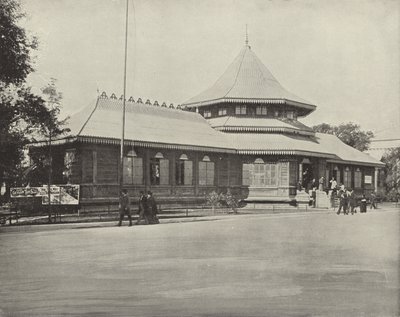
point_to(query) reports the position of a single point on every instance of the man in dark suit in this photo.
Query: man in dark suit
(152, 207)
(124, 207)
(352, 201)
(343, 200)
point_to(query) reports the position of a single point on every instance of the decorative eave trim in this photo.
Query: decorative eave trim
(65, 140)
(252, 100)
(263, 129)
(171, 146)
(339, 161)
(284, 152)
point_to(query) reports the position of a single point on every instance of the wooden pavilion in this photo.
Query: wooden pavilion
(242, 133)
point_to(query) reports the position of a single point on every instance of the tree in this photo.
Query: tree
(350, 134)
(15, 46)
(23, 114)
(392, 172)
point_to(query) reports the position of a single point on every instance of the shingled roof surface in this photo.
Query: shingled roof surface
(146, 123)
(149, 125)
(231, 123)
(246, 79)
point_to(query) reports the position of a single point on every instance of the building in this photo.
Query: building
(242, 133)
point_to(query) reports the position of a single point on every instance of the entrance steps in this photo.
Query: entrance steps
(274, 207)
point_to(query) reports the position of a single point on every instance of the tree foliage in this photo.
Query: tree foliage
(350, 133)
(15, 45)
(24, 116)
(392, 172)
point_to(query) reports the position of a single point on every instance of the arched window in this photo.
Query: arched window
(206, 171)
(159, 170)
(132, 168)
(183, 171)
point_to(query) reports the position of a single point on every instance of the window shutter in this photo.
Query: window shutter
(202, 173)
(188, 174)
(127, 170)
(284, 173)
(137, 170)
(164, 172)
(246, 173)
(210, 173)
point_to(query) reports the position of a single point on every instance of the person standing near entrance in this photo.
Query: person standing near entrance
(342, 202)
(321, 184)
(124, 207)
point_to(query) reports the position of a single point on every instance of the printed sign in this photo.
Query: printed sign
(368, 179)
(59, 194)
(22, 192)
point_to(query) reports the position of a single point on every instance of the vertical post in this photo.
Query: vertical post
(301, 174)
(121, 168)
(376, 179)
(50, 177)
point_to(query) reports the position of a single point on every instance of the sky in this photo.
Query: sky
(343, 56)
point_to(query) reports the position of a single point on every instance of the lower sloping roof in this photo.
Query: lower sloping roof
(344, 152)
(147, 124)
(280, 144)
(154, 126)
(258, 124)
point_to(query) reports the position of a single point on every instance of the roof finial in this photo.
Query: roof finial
(247, 37)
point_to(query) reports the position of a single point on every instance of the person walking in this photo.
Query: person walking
(373, 200)
(152, 207)
(342, 202)
(124, 207)
(352, 201)
(142, 209)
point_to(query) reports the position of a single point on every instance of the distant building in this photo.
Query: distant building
(242, 133)
(378, 147)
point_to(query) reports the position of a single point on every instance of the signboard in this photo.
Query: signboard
(368, 179)
(59, 194)
(23, 192)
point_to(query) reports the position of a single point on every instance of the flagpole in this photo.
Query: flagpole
(121, 168)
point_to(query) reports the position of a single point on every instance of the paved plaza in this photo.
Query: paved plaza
(304, 264)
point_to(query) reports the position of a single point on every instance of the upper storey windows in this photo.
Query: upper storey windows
(207, 114)
(258, 111)
(222, 112)
(241, 110)
(261, 110)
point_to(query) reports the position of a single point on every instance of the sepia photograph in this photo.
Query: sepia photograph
(184, 158)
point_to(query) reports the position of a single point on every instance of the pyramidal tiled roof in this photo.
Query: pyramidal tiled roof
(247, 79)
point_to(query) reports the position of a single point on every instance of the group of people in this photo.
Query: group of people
(348, 201)
(147, 208)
